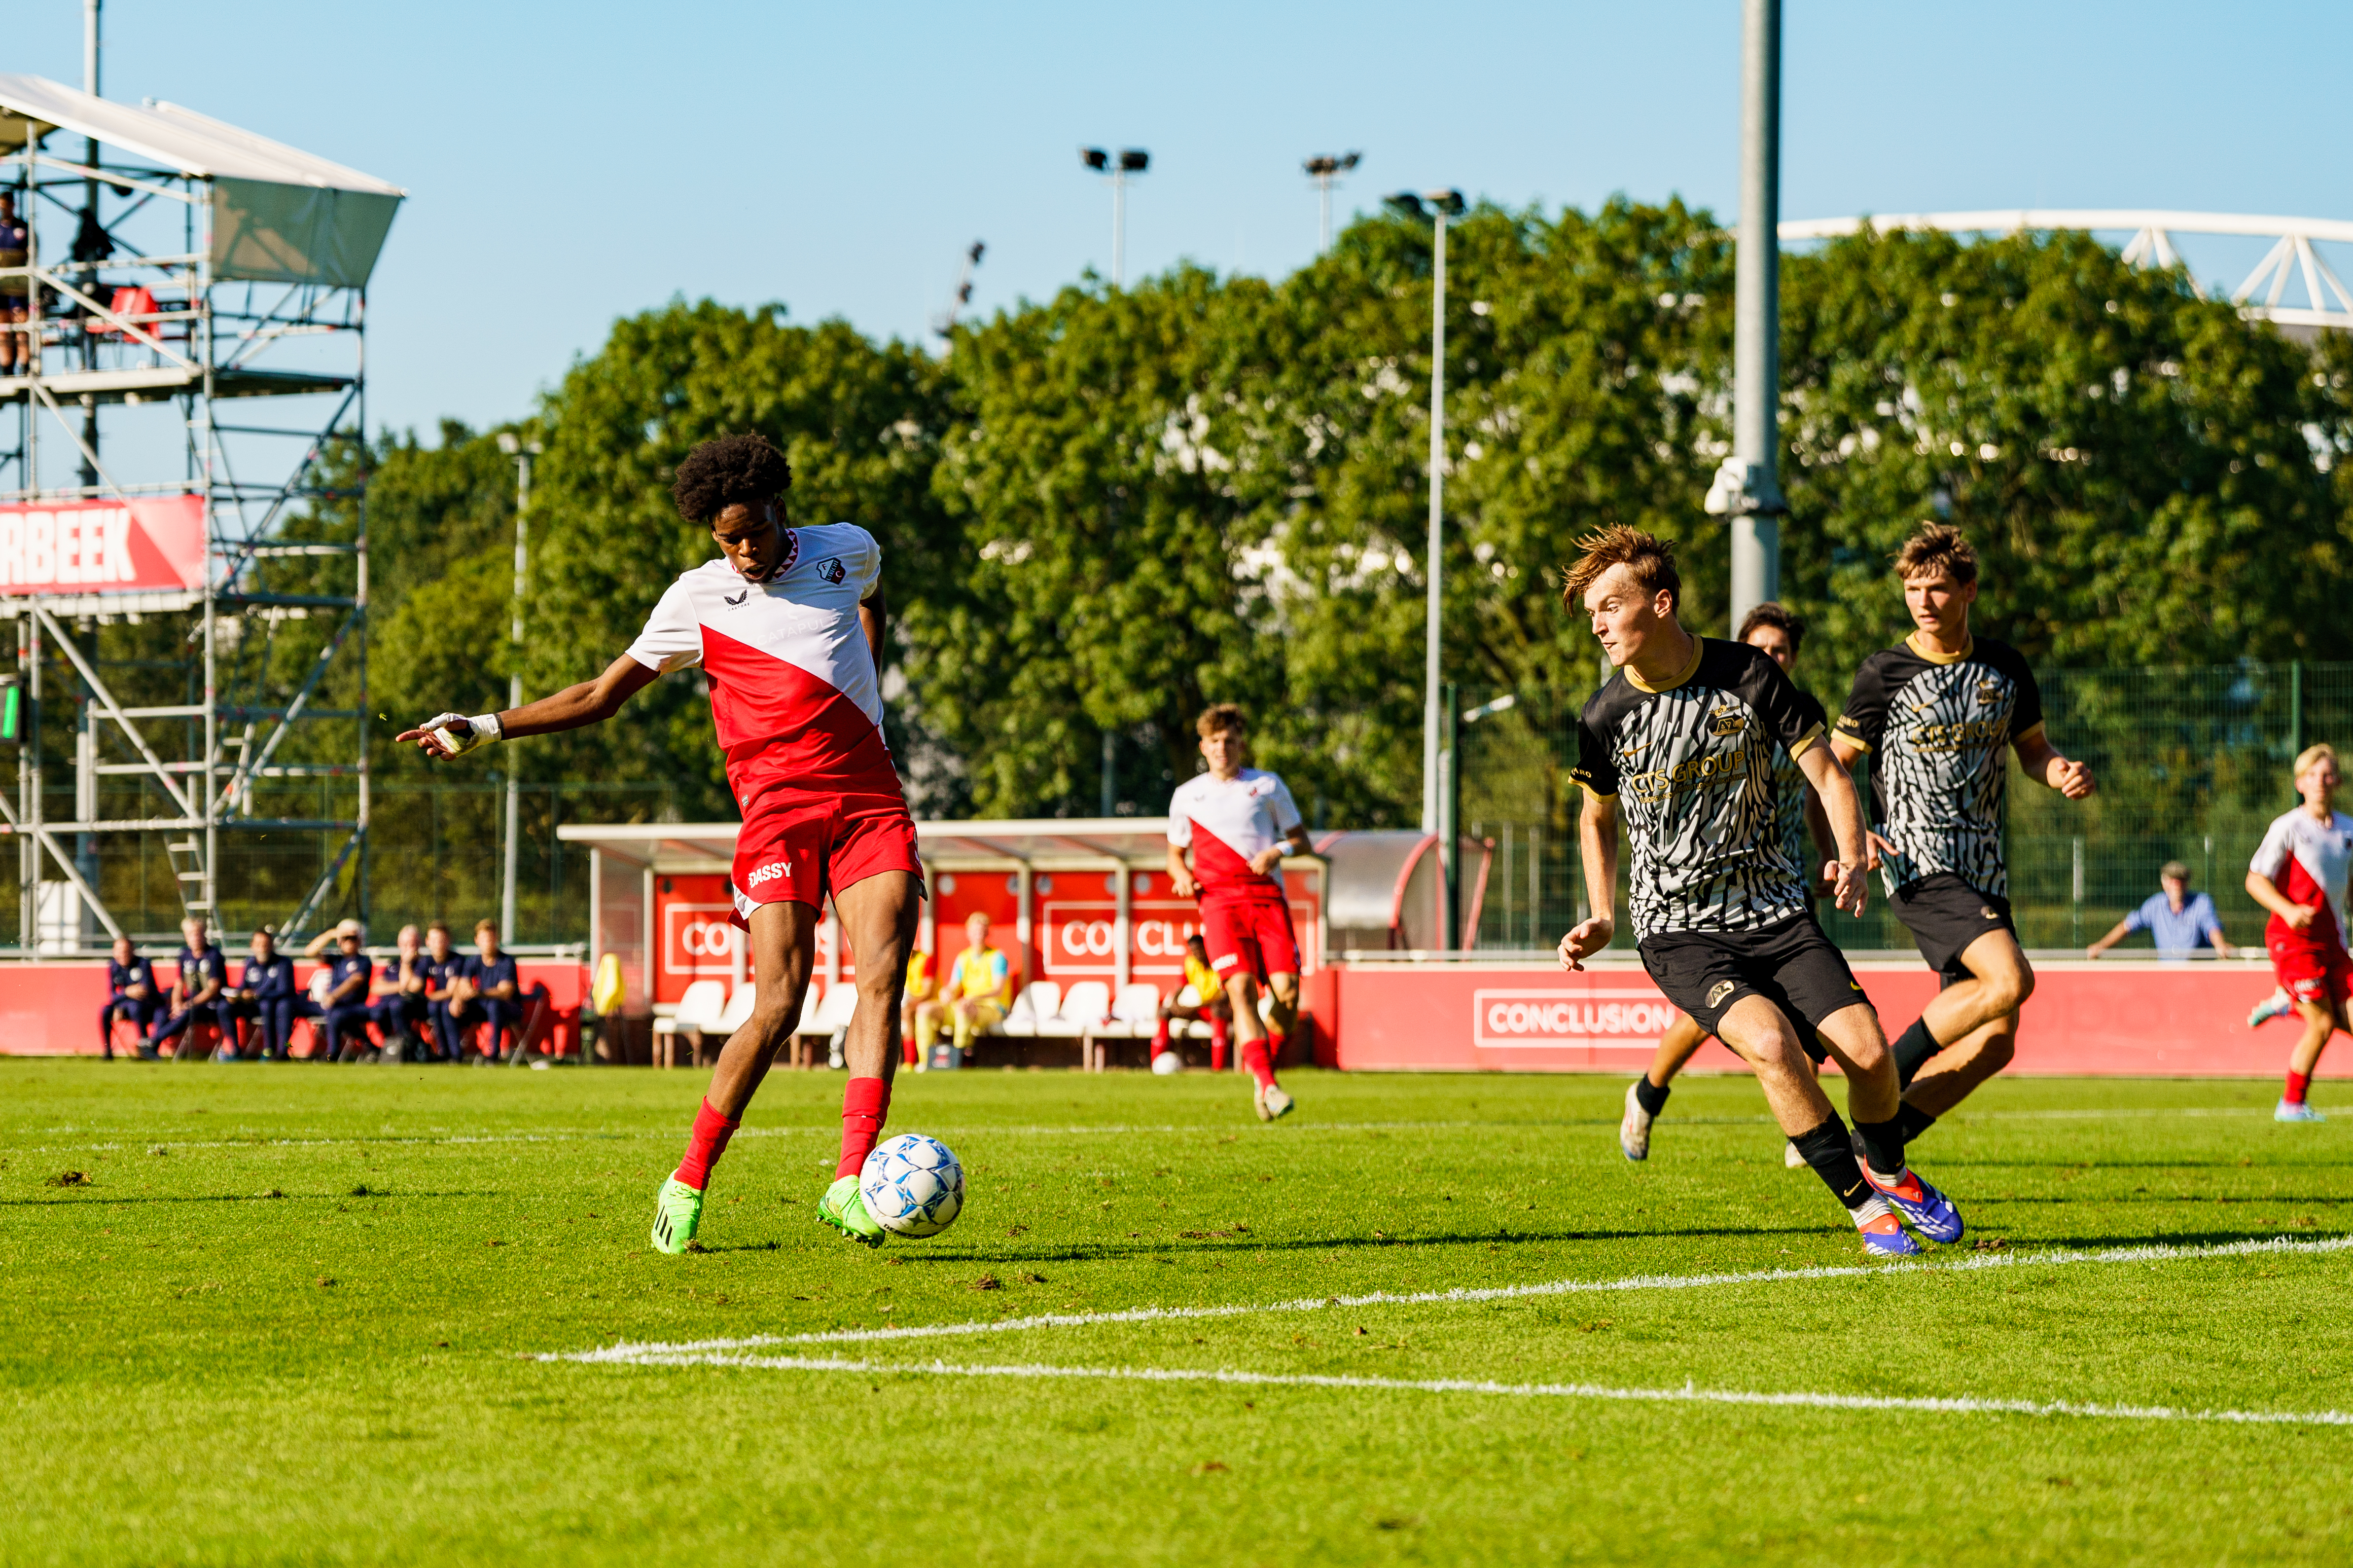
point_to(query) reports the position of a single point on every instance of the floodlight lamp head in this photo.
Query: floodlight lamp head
(508, 443)
(1133, 160)
(1323, 164)
(1448, 200)
(1349, 161)
(1094, 158)
(1405, 204)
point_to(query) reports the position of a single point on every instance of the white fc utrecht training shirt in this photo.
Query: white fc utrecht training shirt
(791, 676)
(1225, 822)
(2307, 859)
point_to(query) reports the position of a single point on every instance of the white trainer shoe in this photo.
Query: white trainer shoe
(1634, 1127)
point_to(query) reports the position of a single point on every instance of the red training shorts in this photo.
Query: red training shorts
(799, 846)
(2310, 970)
(1249, 938)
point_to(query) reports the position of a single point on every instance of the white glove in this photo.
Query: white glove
(460, 735)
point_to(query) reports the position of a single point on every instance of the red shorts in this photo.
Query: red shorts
(798, 847)
(1249, 938)
(2310, 970)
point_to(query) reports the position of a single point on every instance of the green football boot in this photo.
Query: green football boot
(843, 1208)
(677, 1214)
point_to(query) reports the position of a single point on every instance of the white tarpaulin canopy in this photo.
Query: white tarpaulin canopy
(279, 215)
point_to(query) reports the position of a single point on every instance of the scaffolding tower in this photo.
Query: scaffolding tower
(175, 271)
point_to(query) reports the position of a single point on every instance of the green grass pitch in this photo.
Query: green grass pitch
(291, 1314)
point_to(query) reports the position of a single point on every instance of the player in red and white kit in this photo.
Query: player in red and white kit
(1238, 822)
(2298, 874)
(787, 628)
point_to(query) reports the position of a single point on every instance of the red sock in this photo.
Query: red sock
(704, 1145)
(1160, 1038)
(1274, 1043)
(1255, 1060)
(1218, 1045)
(2298, 1082)
(865, 1103)
(907, 1050)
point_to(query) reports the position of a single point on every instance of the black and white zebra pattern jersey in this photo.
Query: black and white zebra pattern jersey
(1692, 765)
(1789, 799)
(1936, 728)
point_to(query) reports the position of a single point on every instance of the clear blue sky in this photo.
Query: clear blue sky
(570, 164)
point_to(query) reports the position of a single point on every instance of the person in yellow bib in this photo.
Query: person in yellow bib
(977, 995)
(1212, 1005)
(919, 990)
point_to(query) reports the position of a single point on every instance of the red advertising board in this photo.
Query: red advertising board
(103, 546)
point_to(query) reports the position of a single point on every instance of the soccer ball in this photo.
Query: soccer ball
(1168, 1063)
(913, 1185)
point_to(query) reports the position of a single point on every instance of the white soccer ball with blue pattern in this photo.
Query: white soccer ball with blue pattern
(913, 1185)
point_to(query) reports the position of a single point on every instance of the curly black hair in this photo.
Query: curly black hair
(733, 469)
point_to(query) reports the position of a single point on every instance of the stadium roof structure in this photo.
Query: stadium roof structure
(2152, 232)
(280, 215)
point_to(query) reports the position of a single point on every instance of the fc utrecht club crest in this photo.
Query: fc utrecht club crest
(832, 570)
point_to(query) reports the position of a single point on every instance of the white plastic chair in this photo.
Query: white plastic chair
(833, 1015)
(739, 1009)
(698, 1012)
(1039, 1001)
(1137, 1008)
(1084, 1005)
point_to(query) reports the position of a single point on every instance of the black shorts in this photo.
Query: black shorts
(1792, 965)
(1943, 915)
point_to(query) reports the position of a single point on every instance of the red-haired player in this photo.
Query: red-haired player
(788, 627)
(1238, 821)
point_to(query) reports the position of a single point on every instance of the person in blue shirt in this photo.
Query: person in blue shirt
(195, 995)
(347, 994)
(2179, 921)
(490, 991)
(399, 1010)
(444, 970)
(131, 992)
(265, 998)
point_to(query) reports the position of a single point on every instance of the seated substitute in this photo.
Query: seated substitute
(399, 1008)
(921, 986)
(131, 992)
(266, 996)
(444, 968)
(1214, 1005)
(346, 1002)
(491, 992)
(978, 993)
(195, 995)
(2181, 922)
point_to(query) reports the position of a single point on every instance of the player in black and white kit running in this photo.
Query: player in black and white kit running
(1681, 741)
(1935, 714)
(1805, 836)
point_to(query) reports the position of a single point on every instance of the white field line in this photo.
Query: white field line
(1687, 1395)
(627, 1351)
(1105, 1129)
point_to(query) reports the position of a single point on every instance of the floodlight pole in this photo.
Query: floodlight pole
(1749, 488)
(522, 452)
(1118, 228)
(1431, 722)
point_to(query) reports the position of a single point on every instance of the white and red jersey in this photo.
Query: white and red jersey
(1225, 822)
(792, 679)
(2307, 859)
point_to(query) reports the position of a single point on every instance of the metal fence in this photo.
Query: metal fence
(2191, 764)
(434, 854)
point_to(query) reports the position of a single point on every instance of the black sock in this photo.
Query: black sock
(1913, 1048)
(1830, 1152)
(1883, 1145)
(1651, 1096)
(1911, 1121)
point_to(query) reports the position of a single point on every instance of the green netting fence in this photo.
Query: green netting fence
(2192, 763)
